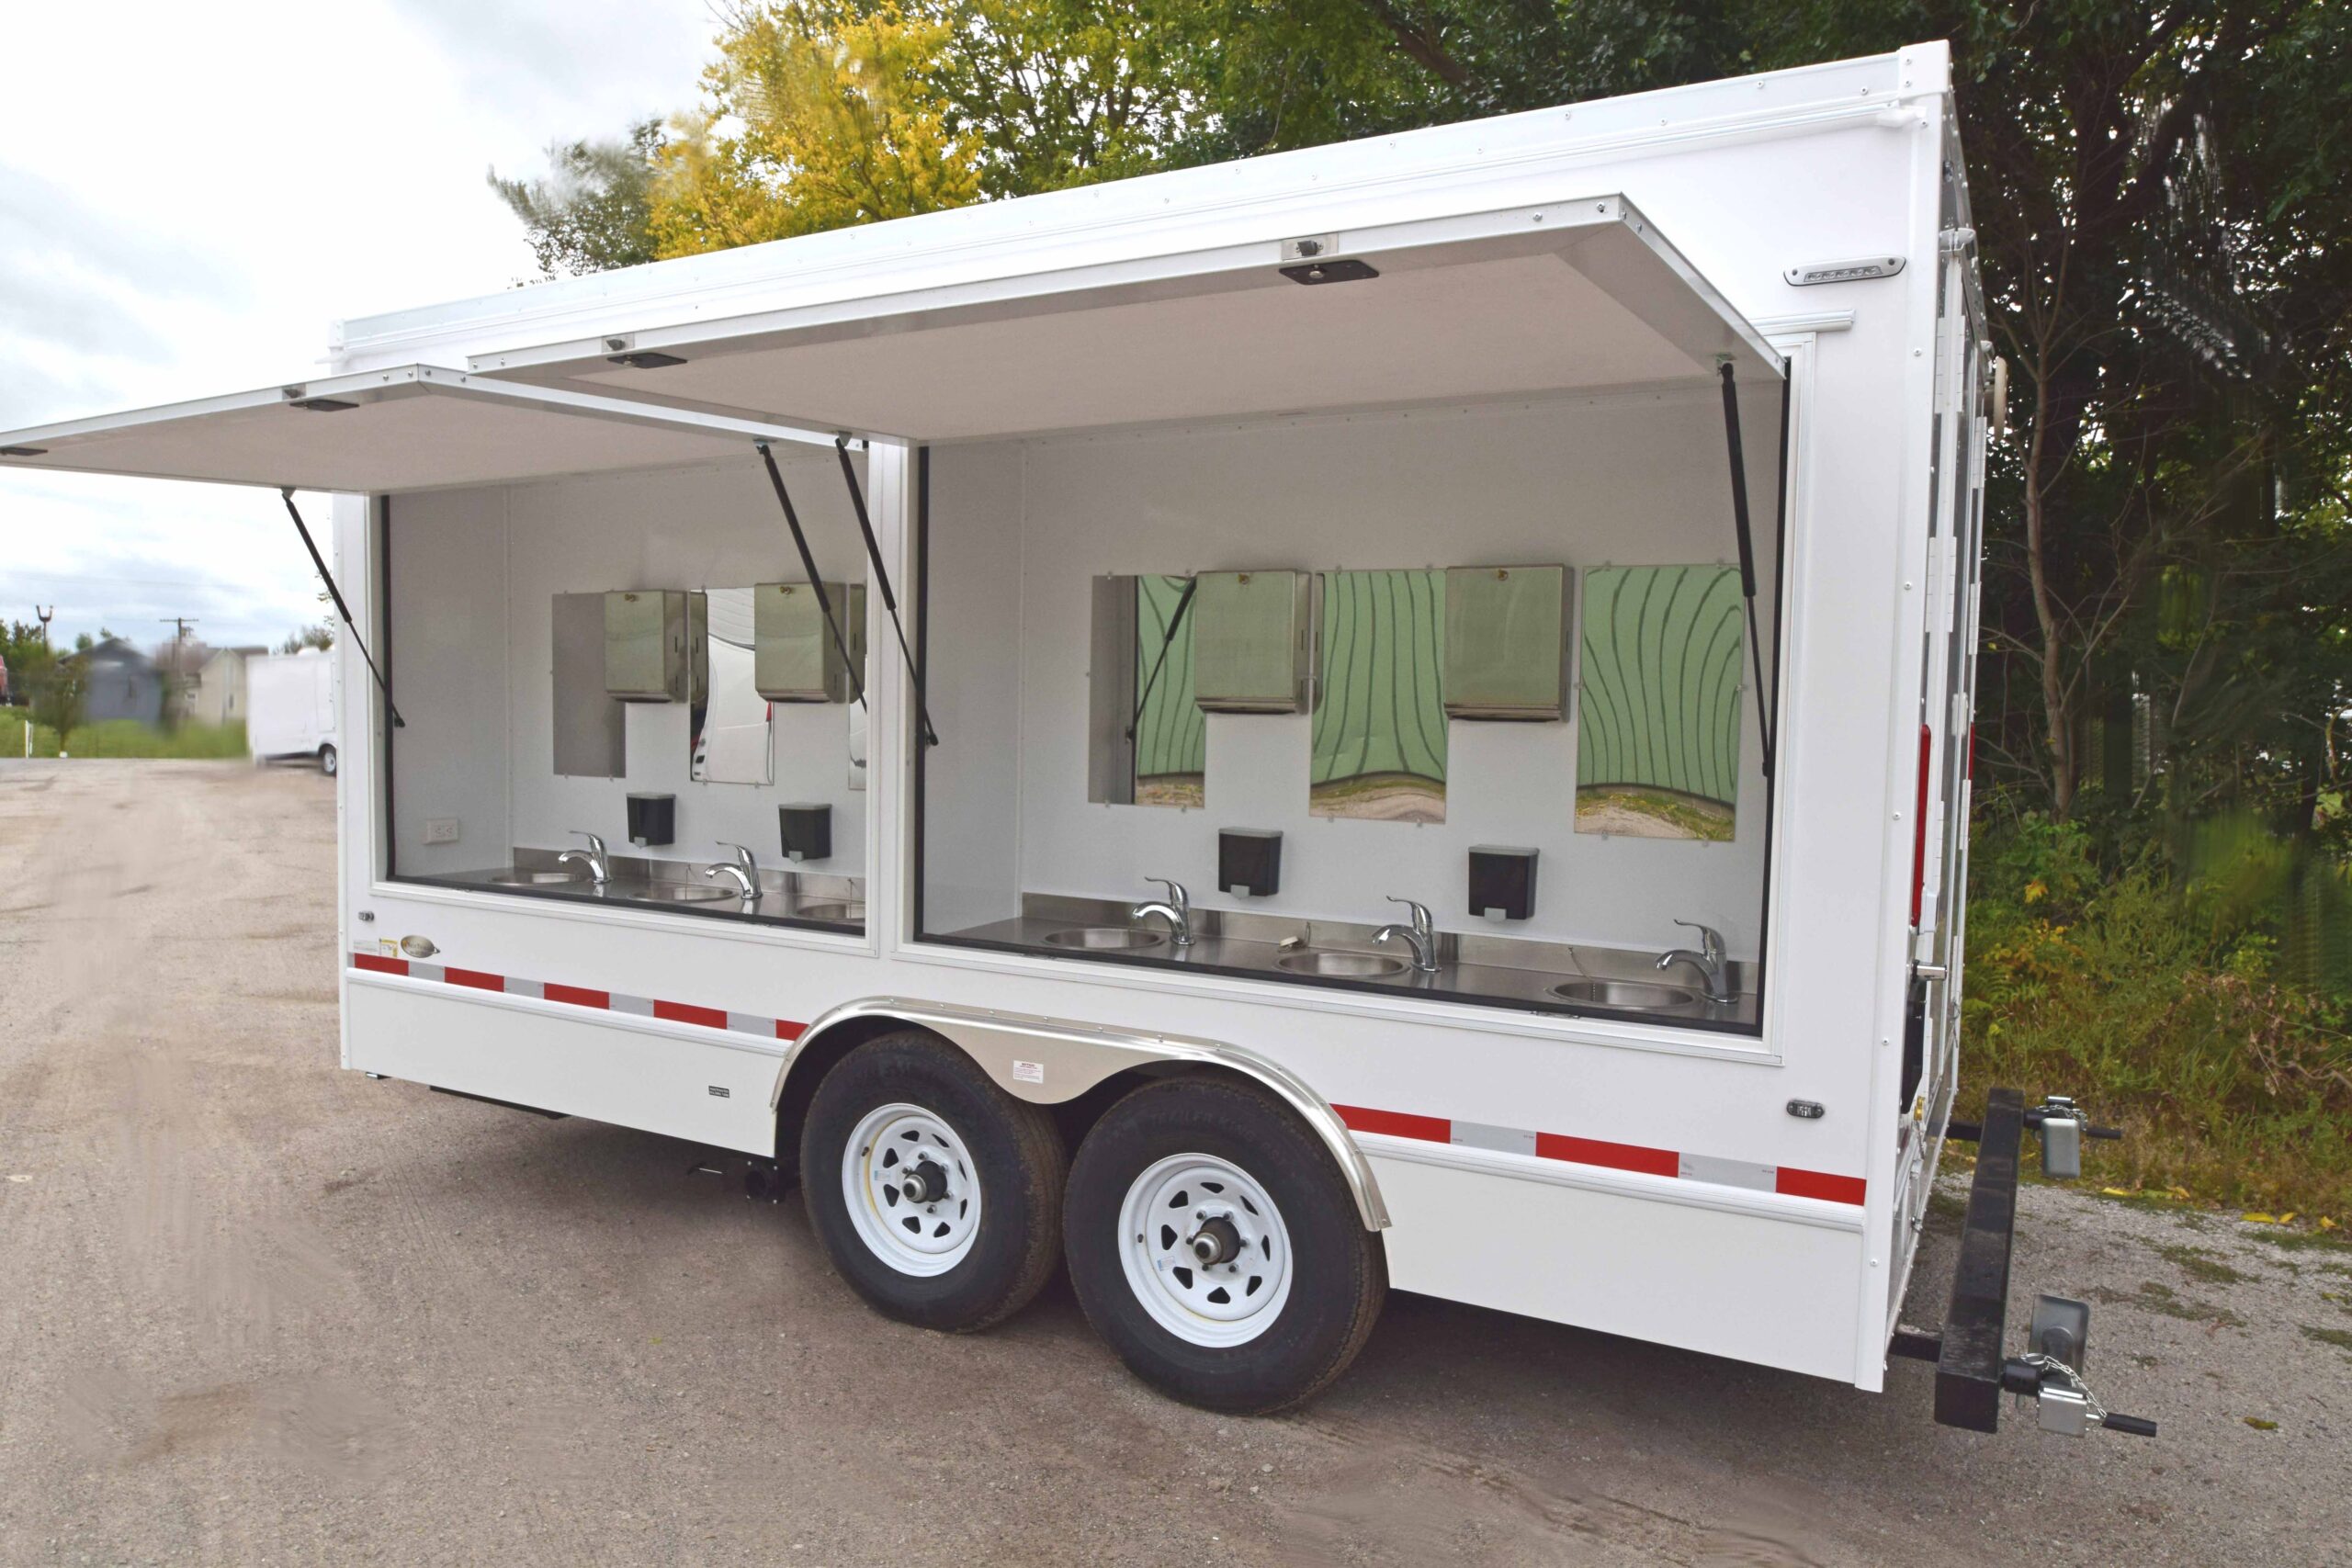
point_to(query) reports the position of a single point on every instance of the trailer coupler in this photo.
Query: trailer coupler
(1973, 1370)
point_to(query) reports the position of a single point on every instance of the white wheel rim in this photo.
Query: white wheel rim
(894, 1148)
(1170, 1209)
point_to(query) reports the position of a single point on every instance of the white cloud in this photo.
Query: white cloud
(189, 196)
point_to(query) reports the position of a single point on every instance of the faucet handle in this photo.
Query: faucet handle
(1423, 921)
(1176, 894)
(1711, 941)
(594, 842)
(742, 855)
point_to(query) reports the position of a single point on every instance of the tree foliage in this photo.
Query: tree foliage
(2162, 224)
(593, 210)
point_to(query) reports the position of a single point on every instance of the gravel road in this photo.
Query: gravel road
(254, 1309)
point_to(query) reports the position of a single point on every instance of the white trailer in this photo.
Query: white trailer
(289, 707)
(1595, 489)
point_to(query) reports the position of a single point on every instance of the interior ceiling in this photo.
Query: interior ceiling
(409, 441)
(1497, 327)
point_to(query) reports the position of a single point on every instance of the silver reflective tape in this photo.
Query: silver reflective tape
(744, 1023)
(1503, 1140)
(1728, 1172)
(424, 970)
(532, 988)
(641, 1005)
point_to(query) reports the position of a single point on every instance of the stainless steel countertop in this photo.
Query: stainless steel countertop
(783, 893)
(1466, 970)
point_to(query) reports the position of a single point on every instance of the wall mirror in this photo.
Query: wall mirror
(731, 741)
(1659, 741)
(1379, 735)
(1147, 740)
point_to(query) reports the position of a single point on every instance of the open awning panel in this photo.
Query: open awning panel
(1572, 295)
(389, 432)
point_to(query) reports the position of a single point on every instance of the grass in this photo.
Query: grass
(2339, 1337)
(2165, 1302)
(124, 738)
(2202, 1265)
(2168, 1015)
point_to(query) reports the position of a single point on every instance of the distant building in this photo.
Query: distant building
(123, 684)
(215, 694)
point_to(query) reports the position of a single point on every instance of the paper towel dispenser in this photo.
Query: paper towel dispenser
(1506, 641)
(648, 638)
(1253, 641)
(795, 658)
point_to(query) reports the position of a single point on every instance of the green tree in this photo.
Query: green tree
(319, 636)
(593, 211)
(57, 686)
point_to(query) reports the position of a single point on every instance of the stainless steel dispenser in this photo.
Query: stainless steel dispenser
(1507, 642)
(1253, 641)
(647, 657)
(794, 656)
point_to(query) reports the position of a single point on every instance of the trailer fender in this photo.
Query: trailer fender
(1049, 1060)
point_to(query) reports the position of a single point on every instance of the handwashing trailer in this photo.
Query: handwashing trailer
(1388, 715)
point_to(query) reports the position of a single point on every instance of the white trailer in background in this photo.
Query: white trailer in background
(289, 707)
(1332, 532)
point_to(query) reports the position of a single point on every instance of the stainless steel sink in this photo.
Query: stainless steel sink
(670, 892)
(850, 911)
(519, 878)
(1340, 965)
(1106, 939)
(1632, 996)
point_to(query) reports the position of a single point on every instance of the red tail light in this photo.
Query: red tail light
(1919, 825)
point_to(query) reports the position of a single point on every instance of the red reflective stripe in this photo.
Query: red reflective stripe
(1919, 825)
(480, 980)
(787, 1030)
(578, 996)
(1615, 1156)
(683, 1013)
(1397, 1124)
(379, 964)
(1816, 1184)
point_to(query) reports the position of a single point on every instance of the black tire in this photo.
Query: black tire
(1019, 1163)
(328, 761)
(1340, 1275)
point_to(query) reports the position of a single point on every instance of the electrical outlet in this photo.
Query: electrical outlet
(440, 830)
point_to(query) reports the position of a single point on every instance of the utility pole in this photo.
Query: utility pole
(44, 615)
(178, 693)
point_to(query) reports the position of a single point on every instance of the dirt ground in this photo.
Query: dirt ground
(254, 1309)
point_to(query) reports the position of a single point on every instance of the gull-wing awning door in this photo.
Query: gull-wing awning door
(388, 433)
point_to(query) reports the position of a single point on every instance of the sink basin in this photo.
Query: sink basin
(847, 911)
(1634, 996)
(671, 892)
(536, 878)
(1106, 939)
(1344, 965)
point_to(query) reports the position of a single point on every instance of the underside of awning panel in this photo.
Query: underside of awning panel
(1569, 297)
(389, 432)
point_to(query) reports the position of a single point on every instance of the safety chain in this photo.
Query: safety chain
(2046, 1366)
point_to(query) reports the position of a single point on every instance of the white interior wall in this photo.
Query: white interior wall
(487, 565)
(972, 845)
(1625, 481)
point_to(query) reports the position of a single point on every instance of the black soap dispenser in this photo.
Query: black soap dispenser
(1502, 882)
(808, 831)
(1249, 862)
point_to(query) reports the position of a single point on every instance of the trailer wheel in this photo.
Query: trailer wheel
(1216, 1249)
(328, 761)
(933, 1193)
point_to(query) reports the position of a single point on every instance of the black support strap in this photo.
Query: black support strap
(342, 609)
(882, 583)
(1747, 556)
(809, 564)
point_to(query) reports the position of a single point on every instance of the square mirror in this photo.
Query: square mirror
(731, 740)
(1658, 740)
(1379, 736)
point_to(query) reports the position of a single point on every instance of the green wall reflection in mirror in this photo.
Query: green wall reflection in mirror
(1171, 734)
(1379, 737)
(1657, 739)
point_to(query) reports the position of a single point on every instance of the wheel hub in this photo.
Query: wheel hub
(1207, 1252)
(912, 1188)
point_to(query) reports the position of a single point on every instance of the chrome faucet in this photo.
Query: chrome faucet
(1422, 935)
(1176, 909)
(599, 864)
(742, 868)
(1709, 961)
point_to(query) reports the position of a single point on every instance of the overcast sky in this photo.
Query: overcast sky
(189, 195)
